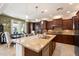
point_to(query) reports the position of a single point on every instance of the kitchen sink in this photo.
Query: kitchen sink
(45, 37)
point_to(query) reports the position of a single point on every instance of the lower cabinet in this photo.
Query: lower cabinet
(67, 39)
(46, 51)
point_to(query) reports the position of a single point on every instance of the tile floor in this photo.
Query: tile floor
(60, 50)
(5, 51)
(66, 50)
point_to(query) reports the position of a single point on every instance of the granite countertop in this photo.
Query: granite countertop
(65, 32)
(35, 43)
(68, 32)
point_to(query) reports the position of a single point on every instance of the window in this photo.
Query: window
(17, 27)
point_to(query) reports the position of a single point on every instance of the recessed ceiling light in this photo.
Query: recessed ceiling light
(26, 17)
(36, 19)
(44, 18)
(68, 11)
(42, 11)
(46, 10)
(57, 16)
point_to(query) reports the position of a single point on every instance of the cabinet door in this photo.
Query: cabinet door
(67, 39)
(68, 24)
(55, 23)
(52, 46)
(45, 51)
(49, 25)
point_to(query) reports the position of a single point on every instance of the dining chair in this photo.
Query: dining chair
(8, 39)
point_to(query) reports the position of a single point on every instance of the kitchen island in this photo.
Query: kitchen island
(35, 45)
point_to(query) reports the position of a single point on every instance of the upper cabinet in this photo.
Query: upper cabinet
(56, 23)
(65, 24)
(68, 24)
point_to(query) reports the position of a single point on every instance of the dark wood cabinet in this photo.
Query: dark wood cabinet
(54, 23)
(68, 24)
(28, 52)
(65, 24)
(49, 25)
(67, 39)
(52, 47)
(57, 22)
(28, 27)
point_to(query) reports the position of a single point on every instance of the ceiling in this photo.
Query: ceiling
(39, 10)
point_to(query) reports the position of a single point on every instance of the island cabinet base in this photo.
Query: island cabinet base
(46, 51)
(28, 52)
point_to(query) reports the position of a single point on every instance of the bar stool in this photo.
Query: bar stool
(8, 39)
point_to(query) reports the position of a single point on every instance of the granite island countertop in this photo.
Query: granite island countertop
(35, 43)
